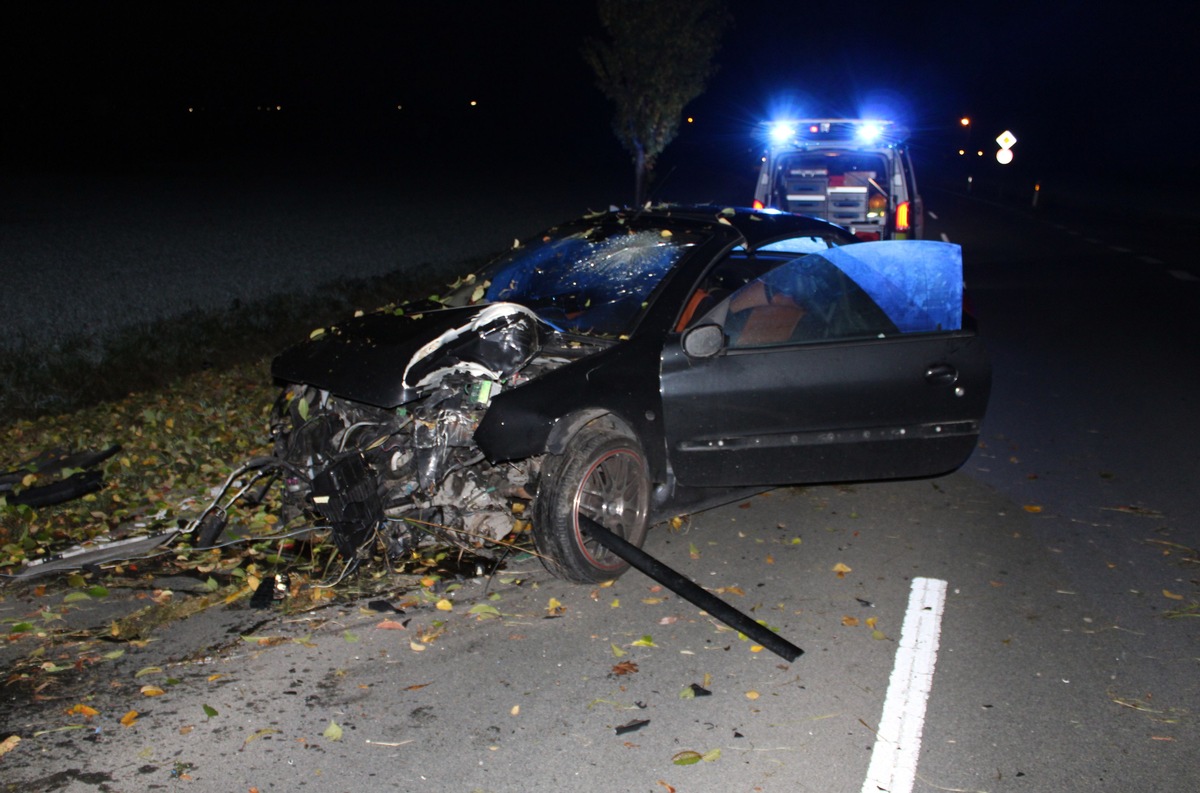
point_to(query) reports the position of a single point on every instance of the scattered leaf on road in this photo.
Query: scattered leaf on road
(333, 732)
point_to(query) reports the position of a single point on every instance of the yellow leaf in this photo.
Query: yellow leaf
(1034, 508)
(83, 710)
(841, 570)
(752, 695)
(445, 605)
(617, 651)
(8, 744)
(1171, 595)
(129, 718)
(152, 691)
(850, 622)
(416, 648)
(516, 710)
(770, 559)
(652, 601)
(554, 608)
(871, 622)
(616, 603)
(756, 648)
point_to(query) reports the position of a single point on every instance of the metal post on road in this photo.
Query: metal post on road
(686, 588)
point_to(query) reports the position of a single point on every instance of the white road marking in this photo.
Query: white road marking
(932, 215)
(1183, 275)
(898, 741)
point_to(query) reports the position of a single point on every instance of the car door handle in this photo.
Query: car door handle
(941, 374)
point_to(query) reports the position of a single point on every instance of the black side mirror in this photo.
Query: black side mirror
(703, 341)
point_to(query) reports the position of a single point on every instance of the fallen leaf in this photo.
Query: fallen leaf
(687, 757)
(624, 668)
(8, 744)
(258, 734)
(841, 570)
(152, 691)
(390, 625)
(445, 605)
(555, 608)
(210, 711)
(1168, 593)
(333, 732)
(752, 695)
(1033, 508)
(850, 622)
(645, 641)
(670, 788)
(416, 648)
(129, 718)
(83, 710)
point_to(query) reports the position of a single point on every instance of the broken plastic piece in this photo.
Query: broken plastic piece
(74, 486)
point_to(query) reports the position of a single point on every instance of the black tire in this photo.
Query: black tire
(602, 474)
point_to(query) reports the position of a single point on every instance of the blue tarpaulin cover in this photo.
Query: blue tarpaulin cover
(917, 283)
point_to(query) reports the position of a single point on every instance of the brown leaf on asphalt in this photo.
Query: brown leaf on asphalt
(841, 569)
(850, 622)
(390, 625)
(624, 668)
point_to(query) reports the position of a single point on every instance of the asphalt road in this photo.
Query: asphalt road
(1058, 666)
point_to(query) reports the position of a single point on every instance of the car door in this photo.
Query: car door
(847, 365)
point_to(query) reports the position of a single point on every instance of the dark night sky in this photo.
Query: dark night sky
(1074, 80)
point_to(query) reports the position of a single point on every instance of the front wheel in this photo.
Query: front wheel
(603, 475)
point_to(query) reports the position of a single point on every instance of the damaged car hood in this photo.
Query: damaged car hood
(387, 360)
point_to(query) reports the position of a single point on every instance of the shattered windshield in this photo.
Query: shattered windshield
(596, 281)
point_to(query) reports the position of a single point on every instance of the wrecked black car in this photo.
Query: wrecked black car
(627, 366)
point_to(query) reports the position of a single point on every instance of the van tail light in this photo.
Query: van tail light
(902, 216)
(757, 204)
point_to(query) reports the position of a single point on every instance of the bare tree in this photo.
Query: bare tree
(657, 57)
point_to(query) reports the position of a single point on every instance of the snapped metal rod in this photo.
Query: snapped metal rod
(688, 589)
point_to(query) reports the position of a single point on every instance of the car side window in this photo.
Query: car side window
(806, 300)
